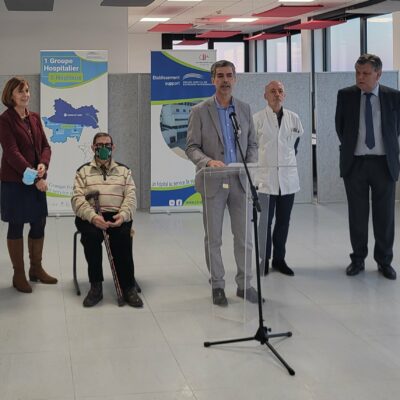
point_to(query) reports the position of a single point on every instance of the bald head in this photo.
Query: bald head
(275, 95)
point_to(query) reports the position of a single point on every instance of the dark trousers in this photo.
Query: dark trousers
(121, 249)
(280, 207)
(370, 177)
(36, 231)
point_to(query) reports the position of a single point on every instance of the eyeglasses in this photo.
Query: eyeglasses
(102, 145)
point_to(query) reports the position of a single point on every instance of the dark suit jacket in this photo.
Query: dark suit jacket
(20, 149)
(205, 140)
(347, 123)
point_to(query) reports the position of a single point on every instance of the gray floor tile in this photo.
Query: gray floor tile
(345, 343)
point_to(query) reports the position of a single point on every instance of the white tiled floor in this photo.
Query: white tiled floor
(346, 331)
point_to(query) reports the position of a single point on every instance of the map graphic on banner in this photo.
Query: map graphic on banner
(179, 80)
(68, 122)
(74, 97)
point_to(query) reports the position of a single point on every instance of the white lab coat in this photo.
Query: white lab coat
(276, 155)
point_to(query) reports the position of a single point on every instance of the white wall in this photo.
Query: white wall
(139, 47)
(73, 25)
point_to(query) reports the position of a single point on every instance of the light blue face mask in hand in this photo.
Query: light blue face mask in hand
(29, 176)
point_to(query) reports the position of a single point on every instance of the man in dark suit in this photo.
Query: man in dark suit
(368, 125)
(211, 144)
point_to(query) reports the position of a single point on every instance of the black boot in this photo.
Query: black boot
(94, 295)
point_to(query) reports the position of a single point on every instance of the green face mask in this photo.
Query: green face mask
(104, 152)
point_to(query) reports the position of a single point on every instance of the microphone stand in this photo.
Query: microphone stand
(263, 333)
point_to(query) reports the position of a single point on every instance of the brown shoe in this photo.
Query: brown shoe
(16, 251)
(36, 272)
(20, 283)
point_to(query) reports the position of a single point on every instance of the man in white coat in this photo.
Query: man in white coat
(278, 131)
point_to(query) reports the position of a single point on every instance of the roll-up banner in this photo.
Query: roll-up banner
(73, 107)
(179, 80)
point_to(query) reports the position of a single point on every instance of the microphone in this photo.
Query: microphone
(235, 123)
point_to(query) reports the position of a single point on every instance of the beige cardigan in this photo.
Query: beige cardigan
(116, 187)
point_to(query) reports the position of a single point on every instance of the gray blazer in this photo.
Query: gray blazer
(205, 140)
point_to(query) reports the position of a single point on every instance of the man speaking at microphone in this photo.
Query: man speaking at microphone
(211, 143)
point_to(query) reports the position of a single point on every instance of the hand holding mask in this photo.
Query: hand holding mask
(29, 176)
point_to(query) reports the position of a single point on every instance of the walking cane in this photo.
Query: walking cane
(95, 196)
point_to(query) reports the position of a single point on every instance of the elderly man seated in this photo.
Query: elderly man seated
(117, 203)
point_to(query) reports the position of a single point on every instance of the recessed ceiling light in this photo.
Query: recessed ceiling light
(241, 19)
(154, 19)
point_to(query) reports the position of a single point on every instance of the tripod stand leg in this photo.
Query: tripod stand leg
(209, 344)
(285, 334)
(262, 336)
(278, 356)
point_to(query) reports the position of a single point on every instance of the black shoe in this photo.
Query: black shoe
(94, 295)
(282, 267)
(251, 295)
(387, 271)
(132, 298)
(219, 298)
(355, 268)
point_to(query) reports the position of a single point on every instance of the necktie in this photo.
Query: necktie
(369, 126)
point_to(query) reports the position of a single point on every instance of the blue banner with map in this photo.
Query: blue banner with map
(73, 107)
(179, 80)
